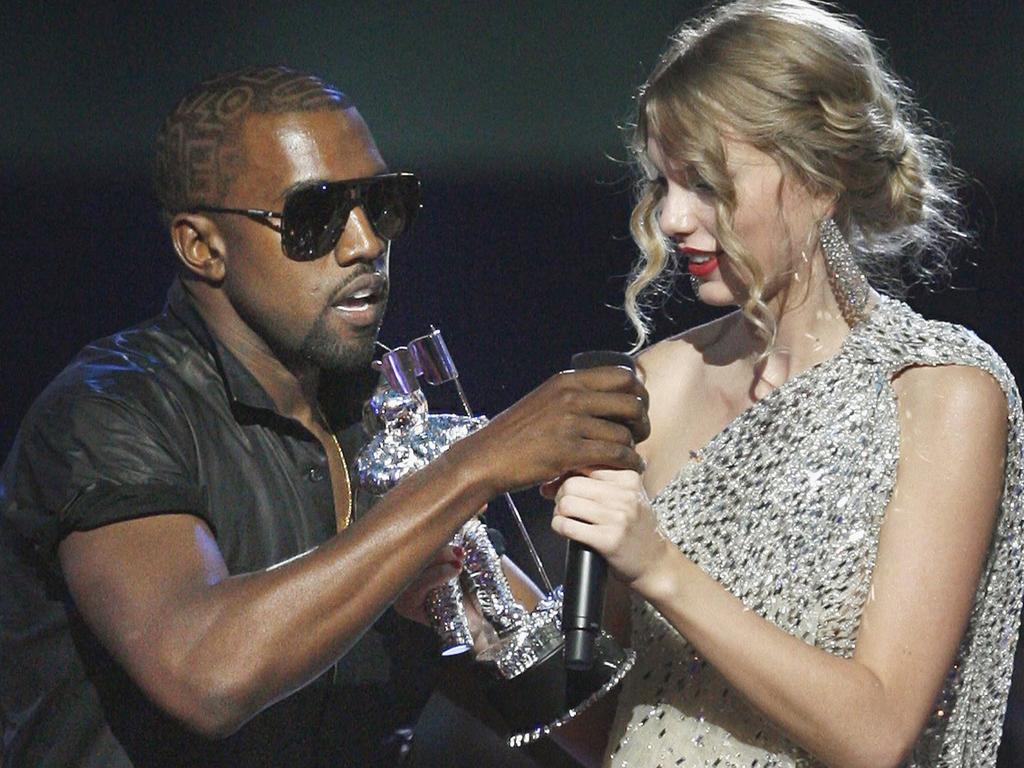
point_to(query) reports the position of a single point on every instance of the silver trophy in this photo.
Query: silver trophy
(531, 687)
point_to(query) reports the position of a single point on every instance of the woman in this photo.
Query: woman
(823, 550)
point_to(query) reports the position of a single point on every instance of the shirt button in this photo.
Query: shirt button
(315, 474)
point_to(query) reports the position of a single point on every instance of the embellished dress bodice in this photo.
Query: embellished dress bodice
(783, 507)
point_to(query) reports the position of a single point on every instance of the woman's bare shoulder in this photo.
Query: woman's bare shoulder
(961, 396)
(681, 357)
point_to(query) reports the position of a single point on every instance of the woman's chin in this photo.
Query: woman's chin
(716, 294)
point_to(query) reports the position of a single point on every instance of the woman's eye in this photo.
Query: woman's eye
(700, 184)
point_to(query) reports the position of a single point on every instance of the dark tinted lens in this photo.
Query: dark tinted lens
(392, 203)
(315, 217)
(313, 220)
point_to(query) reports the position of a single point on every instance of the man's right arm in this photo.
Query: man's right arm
(213, 649)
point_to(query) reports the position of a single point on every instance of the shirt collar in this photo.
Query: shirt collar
(242, 387)
(341, 401)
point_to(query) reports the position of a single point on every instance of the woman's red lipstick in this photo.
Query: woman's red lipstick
(699, 263)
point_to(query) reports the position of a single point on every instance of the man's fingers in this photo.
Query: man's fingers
(617, 406)
(576, 419)
(626, 409)
(614, 380)
(597, 453)
(609, 378)
(549, 489)
(606, 431)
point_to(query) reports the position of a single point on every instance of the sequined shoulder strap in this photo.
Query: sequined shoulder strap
(896, 337)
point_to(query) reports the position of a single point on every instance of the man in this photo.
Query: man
(189, 578)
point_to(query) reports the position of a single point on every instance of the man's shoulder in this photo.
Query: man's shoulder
(155, 351)
(144, 369)
(116, 423)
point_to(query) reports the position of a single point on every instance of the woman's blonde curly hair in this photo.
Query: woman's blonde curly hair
(805, 85)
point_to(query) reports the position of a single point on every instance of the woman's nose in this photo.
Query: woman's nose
(676, 215)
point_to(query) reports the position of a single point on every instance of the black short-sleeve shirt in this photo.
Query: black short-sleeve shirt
(155, 419)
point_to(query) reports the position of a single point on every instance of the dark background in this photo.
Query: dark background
(510, 113)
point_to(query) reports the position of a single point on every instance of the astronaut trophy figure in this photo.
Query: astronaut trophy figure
(532, 688)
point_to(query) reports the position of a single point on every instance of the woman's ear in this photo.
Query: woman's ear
(199, 246)
(826, 206)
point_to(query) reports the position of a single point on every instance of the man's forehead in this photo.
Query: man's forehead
(286, 148)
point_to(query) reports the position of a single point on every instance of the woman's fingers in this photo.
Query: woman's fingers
(624, 478)
(589, 535)
(608, 510)
(606, 485)
(584, 510)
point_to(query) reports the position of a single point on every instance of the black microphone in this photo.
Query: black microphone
(586, 572)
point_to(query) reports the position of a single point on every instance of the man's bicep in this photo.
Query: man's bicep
(132, 582)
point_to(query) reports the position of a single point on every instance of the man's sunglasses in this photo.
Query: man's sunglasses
(314, 216)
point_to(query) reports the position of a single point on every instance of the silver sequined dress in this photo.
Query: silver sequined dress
(783, 507)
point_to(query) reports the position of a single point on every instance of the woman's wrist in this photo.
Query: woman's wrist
(659, 580)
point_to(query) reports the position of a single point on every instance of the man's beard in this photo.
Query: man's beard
(329, 353)
(346, 378)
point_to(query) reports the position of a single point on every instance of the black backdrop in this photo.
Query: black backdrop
(510, 116)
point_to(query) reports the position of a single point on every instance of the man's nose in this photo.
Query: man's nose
(359, 241)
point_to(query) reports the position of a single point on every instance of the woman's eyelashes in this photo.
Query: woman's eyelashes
(690, 179)
(697, 182)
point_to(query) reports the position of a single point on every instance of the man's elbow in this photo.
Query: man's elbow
(213, 703)
(213, 717)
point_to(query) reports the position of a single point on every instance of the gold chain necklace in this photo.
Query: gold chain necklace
(342, 524)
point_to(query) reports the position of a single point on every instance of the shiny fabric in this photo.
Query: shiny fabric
(161, 418)
(783, 507)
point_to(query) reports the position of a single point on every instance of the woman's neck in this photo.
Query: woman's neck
(810, 329)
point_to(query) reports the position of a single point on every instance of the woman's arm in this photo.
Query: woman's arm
(868, 710)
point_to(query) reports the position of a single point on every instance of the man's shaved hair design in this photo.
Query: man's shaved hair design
(198, 153)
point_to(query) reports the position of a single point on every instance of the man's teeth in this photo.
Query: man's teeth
(352, 305)
(358, 300)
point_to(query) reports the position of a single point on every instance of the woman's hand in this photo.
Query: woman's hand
(413, 601)
(608, 510)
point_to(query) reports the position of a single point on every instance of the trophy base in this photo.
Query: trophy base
(548, 695)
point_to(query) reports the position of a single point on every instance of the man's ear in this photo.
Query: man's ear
(199, 246)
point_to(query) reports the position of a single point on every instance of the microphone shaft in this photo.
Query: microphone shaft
(586, 572)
